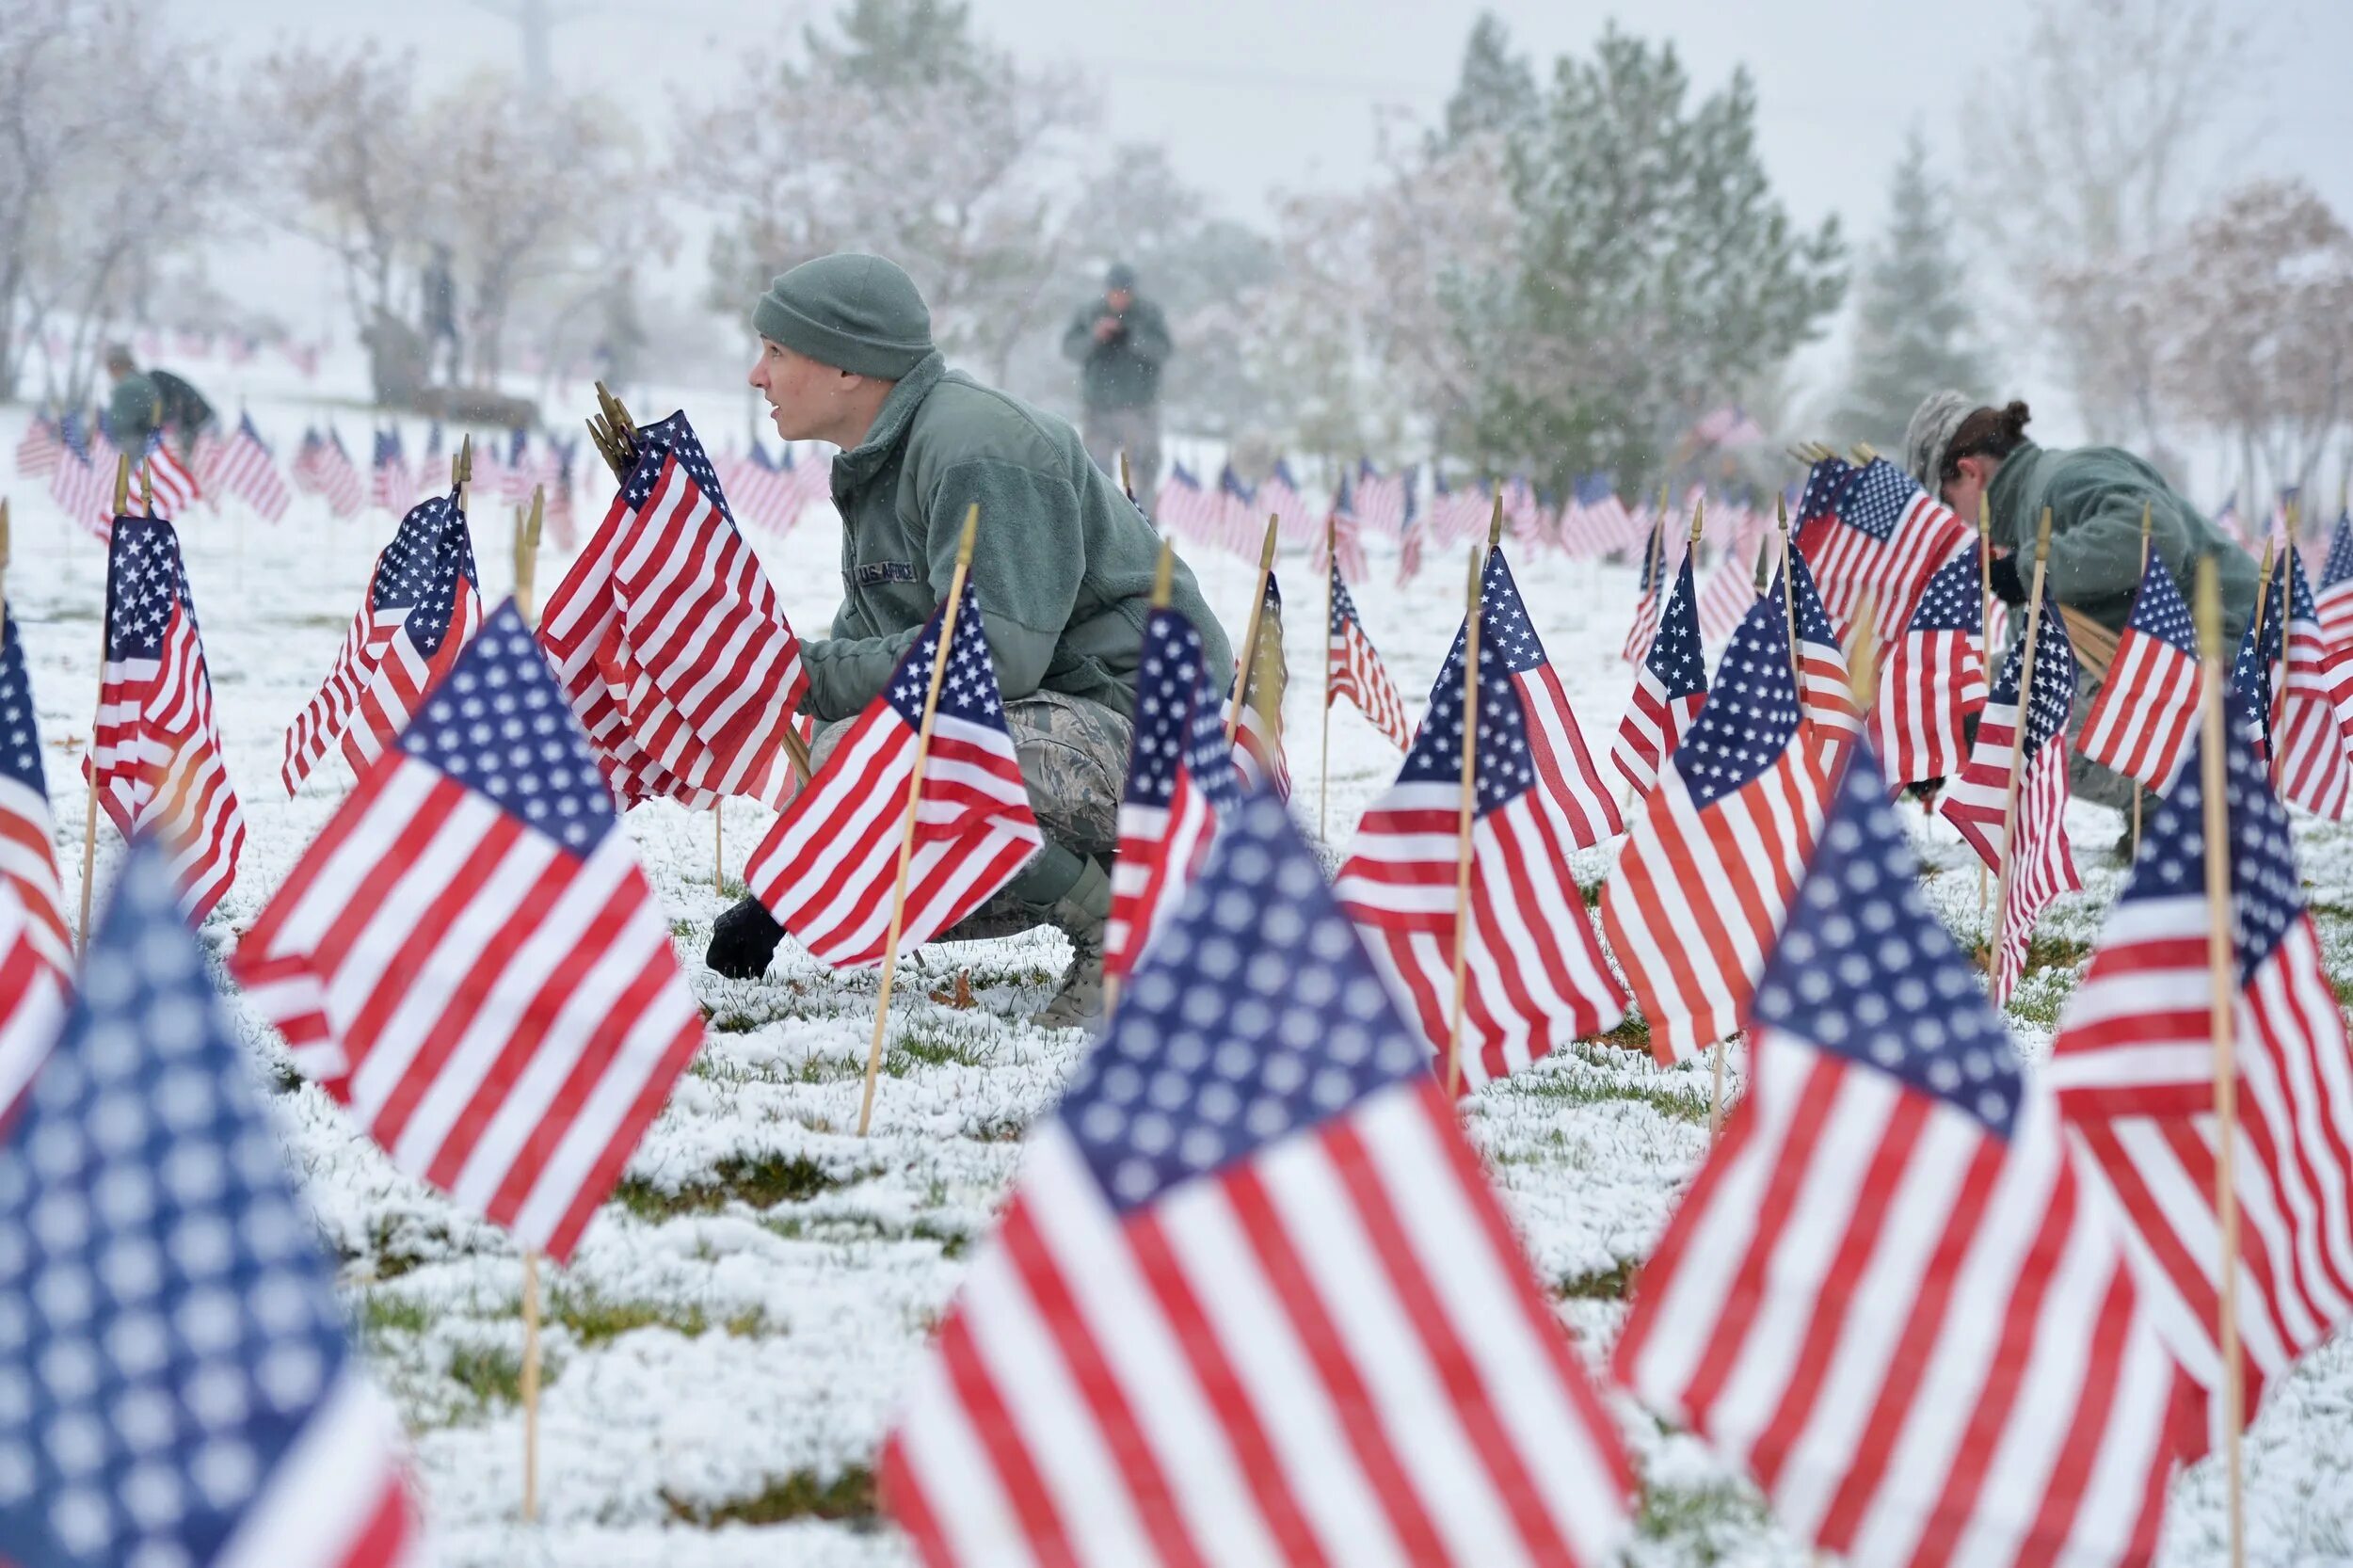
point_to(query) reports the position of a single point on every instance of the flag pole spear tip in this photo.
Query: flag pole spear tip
(1864, 454)
(1266, 550)
(1164, 574)
(1495, 520)
(538, 513)
(2042, 540)
(147, 488)
(1699, 509)
(971, 532)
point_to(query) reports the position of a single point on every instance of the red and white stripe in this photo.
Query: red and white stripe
(505, 1017)
(38, 453)
(1353, 670)
(1929, 685)
(1534, 978)
(827, 869)
(2047, 864)
(2312, 748)
(1922, 1342)
(1331, 1352)
(339, 1495)
(156, 753)
(32, 991)
(1160, 847)
(2133, 1068)
(398, 678)
(1729, 591)
(2141, 723)
(337, 480)
(245, 471)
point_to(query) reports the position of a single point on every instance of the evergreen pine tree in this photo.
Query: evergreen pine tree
(1496, 89)
(1914, 331)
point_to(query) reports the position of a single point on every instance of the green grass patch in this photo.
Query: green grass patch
(595, 1320)
(802, 1495)
(1708, 1525)
(1631, 1032)
(493, 1374)
(1665, 1095)
(761, 1181)
(384, 1316)
(924, 1047)
(1613, 1284)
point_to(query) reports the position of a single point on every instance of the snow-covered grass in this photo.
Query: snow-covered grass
(723, 1355)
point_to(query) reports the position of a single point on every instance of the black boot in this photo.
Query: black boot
(743, 942)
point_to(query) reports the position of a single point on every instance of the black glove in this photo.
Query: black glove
(743, 942)
(2003, 577)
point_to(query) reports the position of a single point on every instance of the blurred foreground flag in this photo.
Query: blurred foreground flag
(180, 1387)
(1253, 1301)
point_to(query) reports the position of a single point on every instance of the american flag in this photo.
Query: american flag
(1284, 1319)
(1555, 743)
(2334, 603)
(1258, 693)
(2045, 865)
(1346, 537)
(246, 469)
(1831, 715)
(521, 472)
(758, 486)
(339, 482)
(1459, 513)
(1183, 508)
(1278, 497)
(1239, 521)
(1534, 977)
(1726, 427)
(670, 642)
(83, 481)
(827, 869)
(160, 470)
(36, 453)
(1385, 501)
(2259, 651)
(424, 602)
(28, 861)
(202, 1403)
(1409, 548)
(1888, 1297)
(389, 484)
(1181, 782)
(1932, 681)
(1595, 521)
(36, 958)
(307, 459)
(1731, 588)
(1668, 690)
(157, 751)
(1699, 892)
(1353, 670)
(2312, 759)
(469, 960)
(2133, 1068)
(2228, 521)
(2140, 722)
(1646, 606)
(1883, 535)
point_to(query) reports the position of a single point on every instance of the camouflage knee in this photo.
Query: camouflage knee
(1074, 758)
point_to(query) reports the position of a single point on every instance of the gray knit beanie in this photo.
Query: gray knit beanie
(1930, 433)
(855, 313)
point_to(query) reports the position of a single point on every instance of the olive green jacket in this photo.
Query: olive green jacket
(1062, 567)
(2096, 495)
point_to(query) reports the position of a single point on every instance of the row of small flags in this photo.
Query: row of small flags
(1297, 1307)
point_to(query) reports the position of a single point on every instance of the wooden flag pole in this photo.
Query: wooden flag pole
(915, 798)
(1250, 637)
(2223, 968)
(1790, 607)
(1331, 575)
(1985, 626)
(4, 554)
(529, 1384)
(2144, 572)
(1127, 480)
(1464, 813)
(90, 815)
(2018, 742)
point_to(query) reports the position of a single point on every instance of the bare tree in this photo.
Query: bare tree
(2091, 143)
(2259, 300)
(92, 200)
(903, 134)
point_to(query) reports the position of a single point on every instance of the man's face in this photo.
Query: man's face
(1966, 491)
(1118, 300)
(803, 395)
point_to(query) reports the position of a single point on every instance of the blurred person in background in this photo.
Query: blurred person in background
(1120, 341)
(144, 402)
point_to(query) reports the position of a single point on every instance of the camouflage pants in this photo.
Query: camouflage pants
(1108, 432)
(1074, 759)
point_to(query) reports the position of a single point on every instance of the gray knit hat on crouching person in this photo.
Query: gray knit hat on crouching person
(1930, 435)
(854, 313)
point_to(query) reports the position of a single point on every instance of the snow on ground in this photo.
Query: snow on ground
(724, 1352)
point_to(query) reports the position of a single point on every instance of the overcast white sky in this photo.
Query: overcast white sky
(1253, 95)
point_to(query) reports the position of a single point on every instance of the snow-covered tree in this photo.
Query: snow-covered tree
(1495, 91)
(1915, 330)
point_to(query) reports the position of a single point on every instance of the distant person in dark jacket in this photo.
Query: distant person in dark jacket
(436, 289)
(145, 402)
(1120, 341)
(1962, 452)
